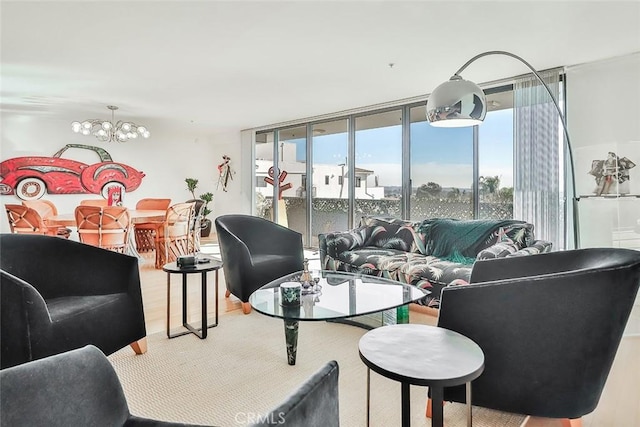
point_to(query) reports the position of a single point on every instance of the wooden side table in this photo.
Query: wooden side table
(421, 355)
(203, 269)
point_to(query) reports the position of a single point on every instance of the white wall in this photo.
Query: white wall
(168, 157)
(603, 114)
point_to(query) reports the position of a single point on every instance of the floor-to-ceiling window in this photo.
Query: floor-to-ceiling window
(441, 170)
(389, 162)
(284, 179)
(495, 157)
(264, 146)
(377, 172)
(292, 179)
(330, 145)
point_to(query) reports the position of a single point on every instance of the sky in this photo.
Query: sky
(441, 155)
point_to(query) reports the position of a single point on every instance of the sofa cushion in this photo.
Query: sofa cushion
(537, 247)
(389, 233)
(372, 260)
(420, 268)
(499, 250)
(518, 232)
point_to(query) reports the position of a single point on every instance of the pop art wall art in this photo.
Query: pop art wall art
(31, 177)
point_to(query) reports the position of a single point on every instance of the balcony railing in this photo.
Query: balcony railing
(331, 214)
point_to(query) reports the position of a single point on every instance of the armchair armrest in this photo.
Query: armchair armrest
(43, 392)
(515, 268)
(23, 315)
(233, 248)
(314, 404)
(272, 240)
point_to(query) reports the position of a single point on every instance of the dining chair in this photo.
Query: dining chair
(46, 209)
(26, 220)
(195, 226)
(94, 202)
(145, 233)
(106, 227)
(173, 239)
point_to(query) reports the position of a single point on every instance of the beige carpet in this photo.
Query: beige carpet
(241, 370)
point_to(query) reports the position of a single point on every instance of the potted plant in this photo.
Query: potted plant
(192, 184)
(206, 222)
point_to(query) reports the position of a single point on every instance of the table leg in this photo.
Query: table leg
(200, 332)
(168, 303)
(437, 394)
(368, 395)
(469, 418)
(406, 405)
(184, 307)
(184, 300)
(291, 338)
(216, 299)
(204, 305)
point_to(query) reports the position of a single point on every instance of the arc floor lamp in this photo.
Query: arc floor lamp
(459, 103)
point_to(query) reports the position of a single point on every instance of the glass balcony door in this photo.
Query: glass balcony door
(329, 190)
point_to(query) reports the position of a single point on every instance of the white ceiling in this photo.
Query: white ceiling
(215, 66)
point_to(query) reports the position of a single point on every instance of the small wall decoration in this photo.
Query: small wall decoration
(116, 195)
(225, 172)
(611, 174)
(32, 177)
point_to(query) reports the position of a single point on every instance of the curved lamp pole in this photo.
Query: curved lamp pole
(458, 102)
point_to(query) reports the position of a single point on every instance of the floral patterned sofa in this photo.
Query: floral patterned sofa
(430, 254)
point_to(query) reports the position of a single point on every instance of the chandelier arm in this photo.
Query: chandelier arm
(114, 132)
(562, 119)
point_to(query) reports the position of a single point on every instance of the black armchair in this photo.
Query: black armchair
(81, 388)
(549, 326)
(57, 295)
(254, 252)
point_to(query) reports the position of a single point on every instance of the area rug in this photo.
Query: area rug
(240, 370)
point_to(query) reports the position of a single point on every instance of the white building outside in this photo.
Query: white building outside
(329, 181)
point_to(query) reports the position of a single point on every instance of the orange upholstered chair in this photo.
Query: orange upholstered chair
(26, 220)
(105, 227)
(145, 233)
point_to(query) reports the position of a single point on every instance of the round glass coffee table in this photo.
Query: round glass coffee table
(339, 295)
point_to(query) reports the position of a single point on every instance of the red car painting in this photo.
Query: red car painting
(32, 177)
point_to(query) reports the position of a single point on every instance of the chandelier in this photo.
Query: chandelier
(110, 131)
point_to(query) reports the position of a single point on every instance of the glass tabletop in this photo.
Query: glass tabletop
(337, 295)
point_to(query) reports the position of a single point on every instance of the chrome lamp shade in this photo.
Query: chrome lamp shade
(456, 103)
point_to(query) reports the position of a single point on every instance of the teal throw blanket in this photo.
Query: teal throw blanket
(459, 240)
